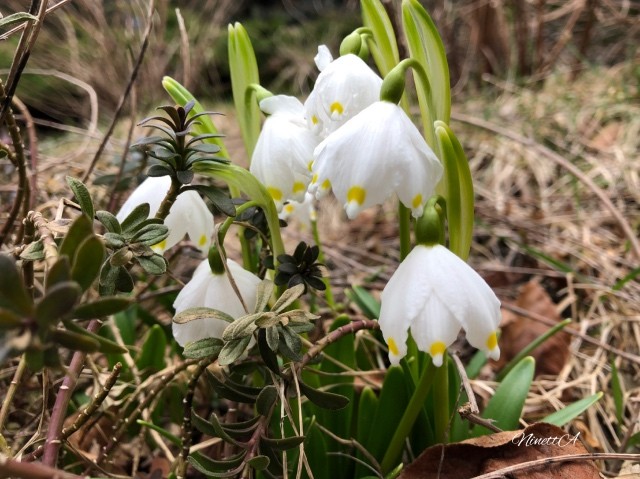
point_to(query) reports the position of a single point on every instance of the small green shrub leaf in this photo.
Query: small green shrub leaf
(58, 301)
(102, 307)
(203, 348)
(266, 400)
(87, 262)
(109, 221)
(83, 196)
(323, 399)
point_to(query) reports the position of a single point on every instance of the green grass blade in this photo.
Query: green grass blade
(618, 394)
(505, 407)
(572, 411)
(243, 68)
(425, 45)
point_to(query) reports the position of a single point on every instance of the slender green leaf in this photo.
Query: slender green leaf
(505, 407)
(259, 463)
(192, 314)
(155, 264)
(34, 251)
(288, 297)
(282, 444)
(572, 411)
(172, 438)
(232, 350)
(139, 214)
(384, 47)
(365, 301)
(16, 18)
(231, 467)
(151, 357)
(458, 190)
(629, 277)
(425, 45)
(9, 319)
(58, 272)
(618, 393)
(243, 68)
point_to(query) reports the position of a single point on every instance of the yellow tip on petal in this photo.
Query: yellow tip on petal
(417, 201)
(492, 341)
(275, 193)
(336, 107)
(288, 208)
(314, 120)
(314, 179)
(310, 166)
(393, 347)
(436, 351)
(160, 247)
(202, 241)
(326, 184)
(357, 194)
(298, 186)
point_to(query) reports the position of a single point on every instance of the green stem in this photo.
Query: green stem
(328, 293)
(441, 401)
(404, 223)
(416, 403)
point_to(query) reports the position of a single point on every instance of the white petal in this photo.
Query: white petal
(198, 329)
(468, 297)
(200, 223)
(435, 329)
(152, 191)
(323, 58)
(194, 292)
(283, 104)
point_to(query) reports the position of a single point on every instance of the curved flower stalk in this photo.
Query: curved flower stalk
(344, 88)
(188, 215)
(284, 151)
(208, 289)
(434, 293)
(375, 154)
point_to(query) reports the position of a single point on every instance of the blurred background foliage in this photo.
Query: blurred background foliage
(95, 44)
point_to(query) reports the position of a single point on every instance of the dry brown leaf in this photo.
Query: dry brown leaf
(519, 331)
(494, 452)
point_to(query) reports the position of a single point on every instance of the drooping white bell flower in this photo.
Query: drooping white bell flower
(375, 154)
(434, 293)
(188, 215)
(283, 154)
(210, 290)
(344, 87)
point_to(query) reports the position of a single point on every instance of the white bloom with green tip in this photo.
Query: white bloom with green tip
(375, 154)
(284, 151)
(344, 87)
(209, 290)
(189, 214)
(434, 293)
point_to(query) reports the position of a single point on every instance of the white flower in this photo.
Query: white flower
(188, 215)
(282, 158)
(344, 87)
(435, 293)
(210, 290)
(376, 153)
(302, 212)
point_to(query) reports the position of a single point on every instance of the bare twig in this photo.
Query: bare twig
(13, 387)
(22, 191)
(27, 470)
(58, 413)
(127, 90)
(33, 150)
(473, 405)
(333, 336)
(22, 26)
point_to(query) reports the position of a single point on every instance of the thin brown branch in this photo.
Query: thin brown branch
(33, 151)
(22, 26)
(59, 411)
(22, 190)
(28, 470)
(335, 335)
(125, 95)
